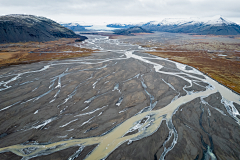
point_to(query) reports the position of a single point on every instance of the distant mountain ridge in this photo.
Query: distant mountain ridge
(24, 28)
(216, 25)
(119, 25)
(216, 20)
(131, 30)
(75, 26)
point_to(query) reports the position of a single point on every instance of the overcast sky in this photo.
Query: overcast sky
(109, 11)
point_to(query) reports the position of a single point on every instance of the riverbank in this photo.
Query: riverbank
(224, 69)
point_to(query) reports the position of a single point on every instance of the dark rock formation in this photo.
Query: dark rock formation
(23, 28)
(131, 30)
(81, 38)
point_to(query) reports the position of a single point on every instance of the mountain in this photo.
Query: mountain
(216, 25)
(23, 28)
(75, 26)
(131, 30)
(119, 25)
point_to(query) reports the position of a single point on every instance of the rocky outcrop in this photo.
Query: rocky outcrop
(81, 38)
(23, 28)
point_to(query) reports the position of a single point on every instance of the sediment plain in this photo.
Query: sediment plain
(118, 103)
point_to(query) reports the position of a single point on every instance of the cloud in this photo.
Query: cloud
(122, 8)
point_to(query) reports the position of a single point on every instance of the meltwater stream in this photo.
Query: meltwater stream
(50, 83)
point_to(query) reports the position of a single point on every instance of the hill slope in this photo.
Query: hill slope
(23, 28)
(131, 30)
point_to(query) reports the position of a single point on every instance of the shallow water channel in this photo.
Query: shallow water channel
(106, 99)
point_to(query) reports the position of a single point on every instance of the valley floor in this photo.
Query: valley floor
(119, 102)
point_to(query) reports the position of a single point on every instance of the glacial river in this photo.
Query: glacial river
(45, 83)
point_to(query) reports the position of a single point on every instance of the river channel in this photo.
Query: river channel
(119, 95)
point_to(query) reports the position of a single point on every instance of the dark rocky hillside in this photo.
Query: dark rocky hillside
(200, 28)
(131, 30)
(24, 28)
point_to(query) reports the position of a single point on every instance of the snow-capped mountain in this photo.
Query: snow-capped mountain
(119, 25)
(216, 20)
(215, 25)
(75, 26)
(175, 21)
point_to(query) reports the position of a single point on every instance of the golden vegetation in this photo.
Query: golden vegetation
(28, 52)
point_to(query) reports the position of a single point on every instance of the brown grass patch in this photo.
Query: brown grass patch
(118, 36)
(18, 53)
